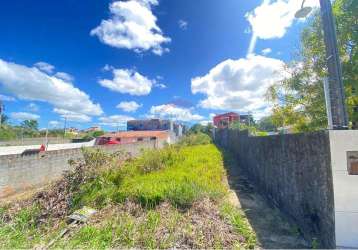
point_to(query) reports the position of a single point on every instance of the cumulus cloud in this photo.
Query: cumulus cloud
(238, 85)
(266, 51)
(114, 120)
(133, 26)
(129, 106)
(174, 112)
(72, 116)
(32, 107)
(272, 18)
(21, 116)
(64, 76)
(127, 81)
(45, 67)
(32, 84)
(183, 24)
(7, 98)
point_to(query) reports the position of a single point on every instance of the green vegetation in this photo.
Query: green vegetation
(299, 100)
(253, 129)
(193, 139)
(172, 197)
(198, 128)
(172, 174)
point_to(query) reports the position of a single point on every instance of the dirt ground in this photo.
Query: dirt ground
(272, 229)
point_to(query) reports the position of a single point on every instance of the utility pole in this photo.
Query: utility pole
(335, 82)
(64, 128)
(336, 88)
(1, 112)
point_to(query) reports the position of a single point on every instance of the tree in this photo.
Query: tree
(266, 124)
(299, 99)
(4, 119)
(31, 125)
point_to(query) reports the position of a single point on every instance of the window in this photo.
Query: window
(153, 138)
(140, 139)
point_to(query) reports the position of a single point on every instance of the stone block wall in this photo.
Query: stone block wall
(294, 172)
(18, 173)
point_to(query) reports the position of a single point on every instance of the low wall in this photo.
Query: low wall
(18, 173)
(35, 141)
(294, 172)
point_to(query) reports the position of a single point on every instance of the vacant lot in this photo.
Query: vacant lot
(173, 197)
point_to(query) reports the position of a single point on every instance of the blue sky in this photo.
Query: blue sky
(103, 62)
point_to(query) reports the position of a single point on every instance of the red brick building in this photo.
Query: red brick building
(224, 120)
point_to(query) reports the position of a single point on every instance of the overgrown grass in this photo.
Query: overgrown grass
(179, 175)
(165, 198)
(238, 220)
(15, 232)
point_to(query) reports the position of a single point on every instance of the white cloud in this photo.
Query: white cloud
(7, 98)
(32, 107)
(238, 85)
(21, 116)
(266, 51)
(159, 85)
(183, 24)
(45, 67)
(205, 122)
(54, 124)
(133, 26)
(272, 18)
(72, 116)
(114, 120)
(128, 81)
(172, 111)
(129, 106)
(64, 76)
(32, 84)
(107, 67)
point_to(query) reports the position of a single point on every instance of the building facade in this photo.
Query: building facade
(224, 120)
(127, 137)
(150, 124)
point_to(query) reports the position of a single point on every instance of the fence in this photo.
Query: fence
(294, 172)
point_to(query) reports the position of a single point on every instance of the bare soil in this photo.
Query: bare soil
(273, 229)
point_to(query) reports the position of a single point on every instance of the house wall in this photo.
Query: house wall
(345, 188)
(19, 173)
(294, 172)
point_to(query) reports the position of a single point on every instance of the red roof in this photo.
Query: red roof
(136, 134)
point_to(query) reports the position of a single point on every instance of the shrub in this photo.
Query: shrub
(195, 139)
(179, 175)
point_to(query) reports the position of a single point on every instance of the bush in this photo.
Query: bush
(195, 139)
(178, 175)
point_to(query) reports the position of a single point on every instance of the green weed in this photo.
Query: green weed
(236, 218)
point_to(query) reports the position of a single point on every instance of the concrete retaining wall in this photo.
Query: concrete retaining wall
(18, 173)
(294, 173)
